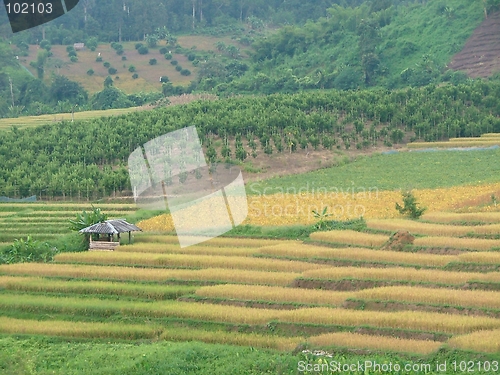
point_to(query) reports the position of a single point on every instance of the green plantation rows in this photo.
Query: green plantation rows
(88, 159)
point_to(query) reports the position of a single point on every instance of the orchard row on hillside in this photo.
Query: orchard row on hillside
(88, 159)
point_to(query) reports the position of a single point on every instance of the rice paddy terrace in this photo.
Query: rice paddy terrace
(337, 290)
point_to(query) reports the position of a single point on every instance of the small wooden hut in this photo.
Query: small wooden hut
(106, 232)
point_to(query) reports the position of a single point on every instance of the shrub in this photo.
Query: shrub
(90, 72)
(74, 59)
(152, 62)
(410, 207)
(116, 46)
(131, 69)
(138, 45)
(168, 56)
(28, 250)
(92, 43)
(107, 64)
(124, 58)
(163, 50)
(174, 62)
(185, 72)
(112, 70)
(164, 79)
(135, 76)
(119, 52)
(143, 50)
(191, 57)
(70, 48)
(178, 68)
(196, 62)
(98, 59)
(72, 53)
(45, 44)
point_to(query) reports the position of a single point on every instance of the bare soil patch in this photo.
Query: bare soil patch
(480, 56)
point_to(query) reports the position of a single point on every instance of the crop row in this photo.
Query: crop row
(136, 331)
(479, 299)
(214, 242)
(386, 256)
(145, 274)
(407, 320)
(158, 248)
(401, 274)
(14, 207)
(185, 260)
(38, 284)
(431, 229)
(246, 276)
(466, 217)
(483, 341)
(78, 329)
(358, 254)
(462, 143)
(350, 237)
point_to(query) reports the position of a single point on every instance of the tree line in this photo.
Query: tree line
(87, 159)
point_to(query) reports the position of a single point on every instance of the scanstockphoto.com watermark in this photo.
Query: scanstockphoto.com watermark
(323, 365)
(315, 191)
(300, 209)
(305, 200)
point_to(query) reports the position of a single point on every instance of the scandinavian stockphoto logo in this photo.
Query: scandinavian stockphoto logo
(204, 200)
(26, 14)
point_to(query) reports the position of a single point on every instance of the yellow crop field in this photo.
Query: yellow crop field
(380, 343)
(465, 298)
(358, 254)
(184, 260)
(350, 237)
(449, 217)
(462, 143)
(214, 242)
(274, 294)
(199, 250)
(291, 209)
(431, 229)
(401, 274)
(458, 243)
(78, 329)
(231, 338)
(142, 274)
(482, 341)
(38, 284)
(184, 310)
(480, 257)
(410, 320)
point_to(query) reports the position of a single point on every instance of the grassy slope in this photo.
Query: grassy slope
(415, 30)
(33, 121)
(148, 74)
(402, 170)
(433, 32)
(38, 355)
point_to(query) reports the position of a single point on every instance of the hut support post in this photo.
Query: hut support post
(129, 238)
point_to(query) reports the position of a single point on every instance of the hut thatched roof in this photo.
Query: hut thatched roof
(111, 227)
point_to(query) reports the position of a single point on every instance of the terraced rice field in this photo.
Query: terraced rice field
(486, 140)
(251, 292)
(44, 221)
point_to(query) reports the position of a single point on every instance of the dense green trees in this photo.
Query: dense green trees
(115, 20)
(88, 159)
